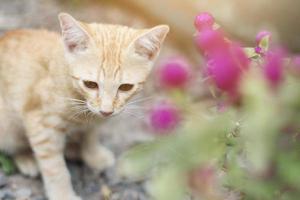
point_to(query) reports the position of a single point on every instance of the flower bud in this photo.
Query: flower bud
(174, 73)
(209, 41)
(261, 36)
(204, 20)
(263, 39)
(227, 66)
(273, 68)
(164, 117)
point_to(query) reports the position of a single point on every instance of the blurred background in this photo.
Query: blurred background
(240, 19)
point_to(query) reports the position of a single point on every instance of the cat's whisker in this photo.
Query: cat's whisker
(134, 114)
(140, 100)
(90, 117)
(77, 103)
(79, 112)
(71, 99)
(136, 108)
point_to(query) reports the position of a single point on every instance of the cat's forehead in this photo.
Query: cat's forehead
(113, 35)
(112, 43)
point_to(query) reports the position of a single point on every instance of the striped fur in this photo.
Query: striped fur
(42, 91)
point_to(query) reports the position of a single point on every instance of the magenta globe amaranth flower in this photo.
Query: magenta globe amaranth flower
(174, 73)
(204, 20)
(240, 56)
(258, 50)
(226, 60)
(209, 41)
(226, 67)
(295, 65)
(273, 68)
(225, 73)
(164, 117)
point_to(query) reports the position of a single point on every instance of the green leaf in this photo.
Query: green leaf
(6, 164)
(250, 52)
(169, 184)
(289, 168)
(265, 43)
(260, 127)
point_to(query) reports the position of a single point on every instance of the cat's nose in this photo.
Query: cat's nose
(106, 113)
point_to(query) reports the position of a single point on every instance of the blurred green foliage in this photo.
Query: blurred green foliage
(254, 145)
(6, 164)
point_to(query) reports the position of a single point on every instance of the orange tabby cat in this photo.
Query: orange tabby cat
(48, 84)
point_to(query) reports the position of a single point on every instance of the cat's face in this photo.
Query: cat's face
(108, 63)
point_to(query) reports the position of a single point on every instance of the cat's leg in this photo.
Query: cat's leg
(94, 154)
(26, 164)
(47, 141)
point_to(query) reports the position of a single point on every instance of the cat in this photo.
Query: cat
(49, 84)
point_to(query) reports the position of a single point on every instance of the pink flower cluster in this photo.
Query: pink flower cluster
(173, 74)
(226, 63)
(273, 67)
(226, 60)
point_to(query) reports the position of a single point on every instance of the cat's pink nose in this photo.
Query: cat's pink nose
(105, 113)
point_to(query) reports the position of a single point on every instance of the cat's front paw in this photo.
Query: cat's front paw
(99, 158)
(64, 197)
(75, 198)
(27, 165)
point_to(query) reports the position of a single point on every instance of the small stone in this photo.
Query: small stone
(23, 194)
(3, 180)
(39, 198)
(130, 195)
(6, 194)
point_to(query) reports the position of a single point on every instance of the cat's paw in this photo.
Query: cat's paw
(74, 198)
(27, 165)
(99, 159)
(63, 197)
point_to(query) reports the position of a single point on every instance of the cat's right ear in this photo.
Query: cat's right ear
(75, 37)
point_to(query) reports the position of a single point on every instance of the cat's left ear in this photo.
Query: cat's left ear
(75, 37)
(149, 43)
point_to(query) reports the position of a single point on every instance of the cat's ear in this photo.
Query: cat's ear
(75, 37)
(149, 43)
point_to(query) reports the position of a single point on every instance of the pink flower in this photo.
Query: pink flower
(174, 73)
(273, 68)
(224, 72)
(164, 117)
(296, 61)
(204, 20)
(296, 65)
(261, 35)
(240, 56)
(226, 60)
(226, 67)
(210, 41)
(258, 50)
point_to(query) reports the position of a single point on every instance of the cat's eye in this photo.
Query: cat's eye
(90, 84)
(126, 87)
